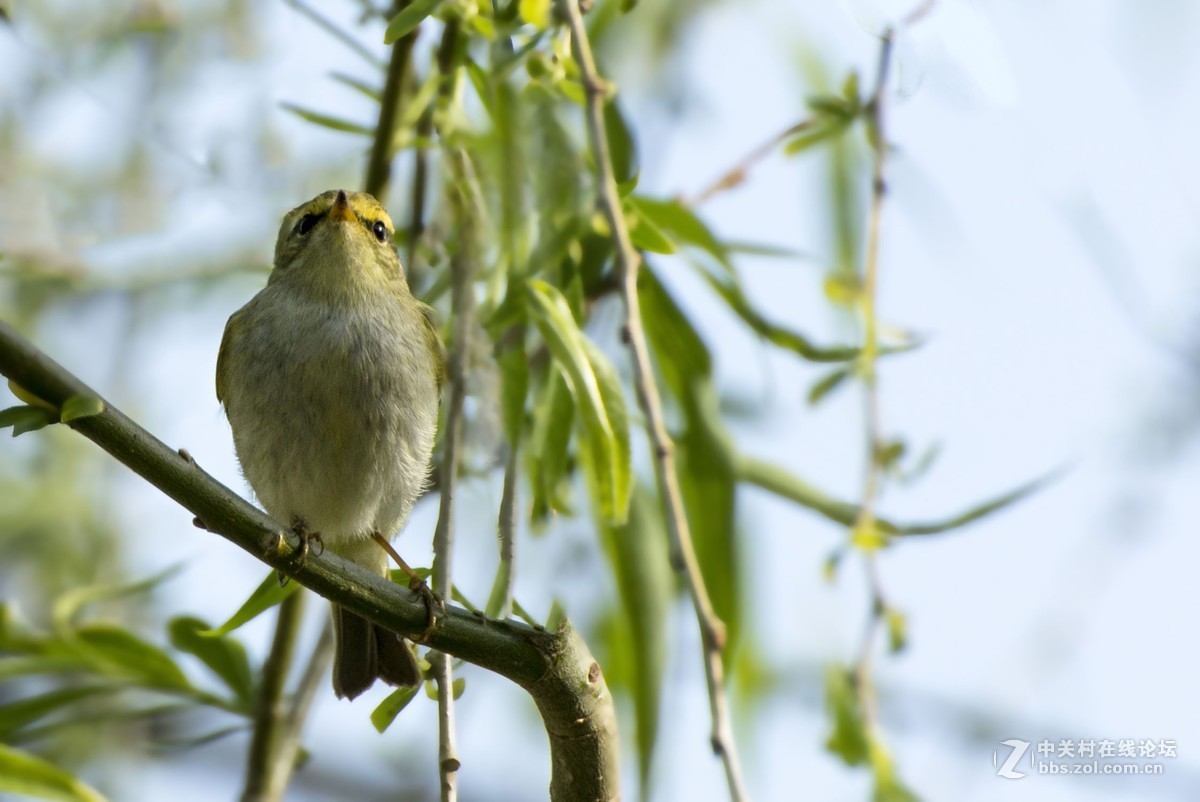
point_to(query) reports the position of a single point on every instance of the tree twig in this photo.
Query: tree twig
(267, 773)
(865, 522)
(736, 174)
(379, 163)
(628, 262)
(462, 305)
(556, 669)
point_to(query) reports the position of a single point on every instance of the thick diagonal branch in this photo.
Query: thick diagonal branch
(555, 668)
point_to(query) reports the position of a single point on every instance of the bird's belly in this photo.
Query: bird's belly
(335, 428)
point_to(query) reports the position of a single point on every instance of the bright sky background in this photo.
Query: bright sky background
(1041, 232)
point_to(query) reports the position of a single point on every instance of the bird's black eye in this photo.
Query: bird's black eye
(306, 223)
(380, 230)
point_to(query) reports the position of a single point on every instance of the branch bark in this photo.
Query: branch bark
(556, 669)
(628, 262)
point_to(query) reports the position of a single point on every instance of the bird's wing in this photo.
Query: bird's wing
(222, 357)
(435, 344)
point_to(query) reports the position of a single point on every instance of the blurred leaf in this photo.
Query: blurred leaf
(535, 12)
(24, 774)
(764, 249)
(778, 335)
(682, 355)
(482, 83)
(326, 121)
(980, 510)
(849, 737)
(622, 147)
(868, 536)
(387, 710)
(15, 715)
(409, 18)
(645, 234)
(888, 787)
(373, 92)
(458, 687)
(26, 419)
(637, 552)
(833, 561)
(890, 454)
(682, 225)
(597, 395)
(827, 384)
(554, 418)
(556, 616)
(223, 655)
(514, 387)
(265, 596)
(113, 650)
(80, 406)
(68, 606)
(821, 131)
(897, 629)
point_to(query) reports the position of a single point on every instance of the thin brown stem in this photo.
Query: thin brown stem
(628, 262)
(735, 175)
(267, 767)
(865, 524)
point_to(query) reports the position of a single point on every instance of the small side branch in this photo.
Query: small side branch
(628, 262)
(267, 768)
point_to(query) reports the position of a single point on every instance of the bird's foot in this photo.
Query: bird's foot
(309, 541)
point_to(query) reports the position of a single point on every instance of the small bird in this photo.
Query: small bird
(331, 379)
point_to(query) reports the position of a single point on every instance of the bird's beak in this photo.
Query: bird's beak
(341, 209)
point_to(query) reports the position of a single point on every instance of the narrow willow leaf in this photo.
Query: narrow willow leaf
(499, 584)
(326, 121)
(780, 336)
(981, 510)
(223, 655)
(637, 552)
(387, 710)
(514, 388)
(897, 629)
(458, 687)
(68, 606)
(815, 135)
(622, 147)
(409, 18)
(80, 406)
(482, 83)
(265, 596)
(116, 651)
(26, 775)
(682, 225)
(554, 421)
(579, 364)
(826, 385)
(645, 234)
(15, 715)
(682, 356)
(358, 85)
(849, 739)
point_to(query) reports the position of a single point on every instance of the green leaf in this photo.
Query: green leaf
(827, 384)
(387, 710)
(981, 510)
(373, 92)
(265, 596)
(26, 775)
(535, 12)
(116, 651)
(326, 121)
(637, 552)
(409, 18)
(514, 387)
(223, 655)
(822, 131)
(25, 419)
(683, 358)
(682, 225)
(596, 392)
(622, 147)
(554, 420)
(458, 687)
(897, 629)
(775, 334)
(15, 715)
(68, 606)
(482, 83)
(645, 234)
(849, 739)
(80, 406)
